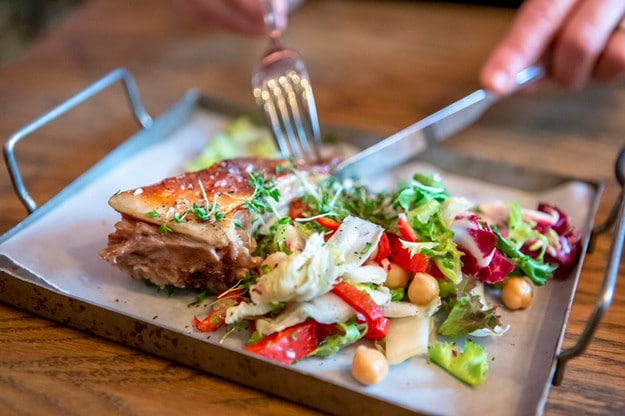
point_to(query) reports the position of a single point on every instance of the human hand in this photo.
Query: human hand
(242, 16)
(576, 40)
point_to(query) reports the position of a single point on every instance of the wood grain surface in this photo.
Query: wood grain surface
(375, 65)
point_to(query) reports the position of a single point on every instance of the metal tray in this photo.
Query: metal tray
(64, 280)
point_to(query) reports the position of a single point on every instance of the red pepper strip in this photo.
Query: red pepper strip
(211, 323)
(384, 248)
(401, 256)
(328, 223)
(217, 317)
(363, 304)
(290, 344)
(325, 330)
(377, 330)
(405, 229)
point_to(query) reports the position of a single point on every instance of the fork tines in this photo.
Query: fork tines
(290, 110)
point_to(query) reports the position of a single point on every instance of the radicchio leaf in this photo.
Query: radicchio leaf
(479, 245)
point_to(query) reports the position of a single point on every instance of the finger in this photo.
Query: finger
(242, 16)
(611, 64)
(582, 40)
(529, 36)
(233, 15)
(252, 14)
(281, 8)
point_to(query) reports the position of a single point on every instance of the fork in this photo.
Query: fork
(282, 90)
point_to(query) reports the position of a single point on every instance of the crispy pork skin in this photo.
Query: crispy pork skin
(162, 238)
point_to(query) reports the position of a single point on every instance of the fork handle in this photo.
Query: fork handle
(273, 25)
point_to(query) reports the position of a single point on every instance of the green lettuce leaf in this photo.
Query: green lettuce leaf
(422, 201)
(467, 316)
(240, 138)
(538, 271)
(349, 332)
(466, 312)
(469, 366)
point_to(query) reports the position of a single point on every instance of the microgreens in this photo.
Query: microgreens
(264, 190)
(202, 212)
(164, 229)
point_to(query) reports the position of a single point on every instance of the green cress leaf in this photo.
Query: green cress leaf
(264, 190)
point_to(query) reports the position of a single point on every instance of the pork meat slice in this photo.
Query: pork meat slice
(159, 238)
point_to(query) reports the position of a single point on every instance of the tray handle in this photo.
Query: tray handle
(134, 100)
(615, 219)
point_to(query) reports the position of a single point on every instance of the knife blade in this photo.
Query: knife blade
(414, 139)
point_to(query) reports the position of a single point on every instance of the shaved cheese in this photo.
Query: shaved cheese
(407, 337)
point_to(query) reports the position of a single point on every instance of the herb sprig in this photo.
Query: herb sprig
(264, 191)
(202, 212)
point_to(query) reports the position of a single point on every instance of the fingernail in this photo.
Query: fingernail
(500, 81)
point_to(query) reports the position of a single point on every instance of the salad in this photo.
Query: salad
(403, 274)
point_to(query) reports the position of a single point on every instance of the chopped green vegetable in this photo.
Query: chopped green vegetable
(349, 332)
(537, 271)
(422, 200)
(164, 229)
(469, 366)
(398, 294)
(467, 315)
(520, 231)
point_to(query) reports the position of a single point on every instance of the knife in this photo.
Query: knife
(414, 139)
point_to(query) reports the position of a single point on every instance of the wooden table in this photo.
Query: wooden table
(374, 65)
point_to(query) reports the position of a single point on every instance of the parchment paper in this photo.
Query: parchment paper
(61, 249)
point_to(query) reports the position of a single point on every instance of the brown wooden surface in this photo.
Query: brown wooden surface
(374, 65)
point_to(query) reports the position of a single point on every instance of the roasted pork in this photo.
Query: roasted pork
(196, 230)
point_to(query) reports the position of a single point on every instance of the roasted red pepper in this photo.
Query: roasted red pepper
(290, 344)
(363, 304)
(211, 323)
(401, 256)
(329, 223)
(384, 248)
(377, 329)
(405, 229)
(217, 317)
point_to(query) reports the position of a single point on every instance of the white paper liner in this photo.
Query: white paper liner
(61, 249)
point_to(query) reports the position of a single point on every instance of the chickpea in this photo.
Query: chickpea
(369, 366)
(423, 289)
(273, 260)
(397, 276)
(516, 293)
